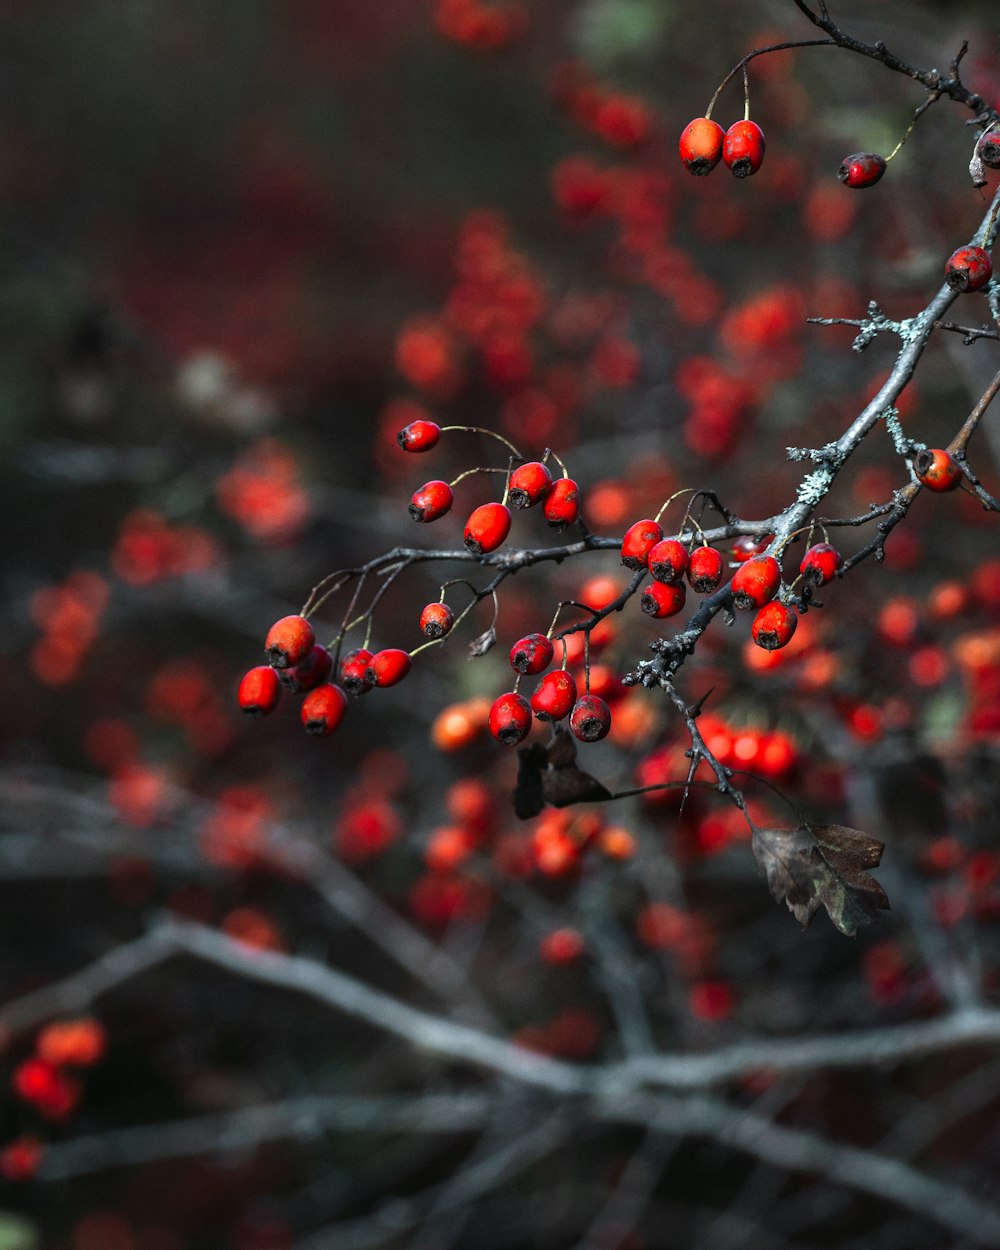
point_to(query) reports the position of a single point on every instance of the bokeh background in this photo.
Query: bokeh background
(242, 244)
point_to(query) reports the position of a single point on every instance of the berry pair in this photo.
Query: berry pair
(510, 715)
(704, 143)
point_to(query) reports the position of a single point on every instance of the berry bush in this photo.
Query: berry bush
(502, 675)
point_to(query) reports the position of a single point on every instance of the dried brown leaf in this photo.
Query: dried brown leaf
(822, 866)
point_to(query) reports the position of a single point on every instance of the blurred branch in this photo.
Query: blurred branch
(422, 1030)
(236, 1132)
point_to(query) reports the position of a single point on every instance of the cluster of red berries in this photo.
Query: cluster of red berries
(554, 698)
(755, 584)
(300, 664)
(488, 525)
(704, 143)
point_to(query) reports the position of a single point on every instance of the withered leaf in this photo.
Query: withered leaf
(822, 866)
(485, 642)
(550, 775)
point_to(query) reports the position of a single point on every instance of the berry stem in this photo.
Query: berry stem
(478, 429)
(921, 109)
(469, 472)
(774, 47)
(323, 590)
(666, 504)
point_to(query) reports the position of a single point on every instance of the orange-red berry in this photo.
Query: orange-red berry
(288, 641)
(662, 599)
(323, 709)
(510, 718)
(562, 504)
(431, 500)
(436, 620)
(531, 654)
(820, 563)
(743, 148)
(260, 691)
(756, 582)
(968, 269)
(529, 483)
(748, 545)
(862, 169)
(310, 672)
(487, 528)
(701, 145)
(590, 719)
(554, 696)
(668, 560)
(419, 436)
(389, 666)
(774, 625)
(704, 570)
(354, 671)
(936, 469)
(988, 149)
(639, 540)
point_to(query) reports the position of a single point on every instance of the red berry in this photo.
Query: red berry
(323, 709)
(431, 500)
(554, 695)
(260, 691)
(510, 718)
(968, 269)
(660, 599)
(639, 540)
(528, 484)
(863, 169)
(747, 546)
(531, 654)
(354, 672)
(487, 527)
(419, 436)
(701, 145)
(668, 560)
(936, 469)
(288, 641)
(820, 563)
(436, 620)
(743, 148)
(756, 582)
(388, 667)
(704, 570)
(562, 503)
(20, 1158)
(590, 719)
(773, 625)
(988, 149)
(310, 672)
